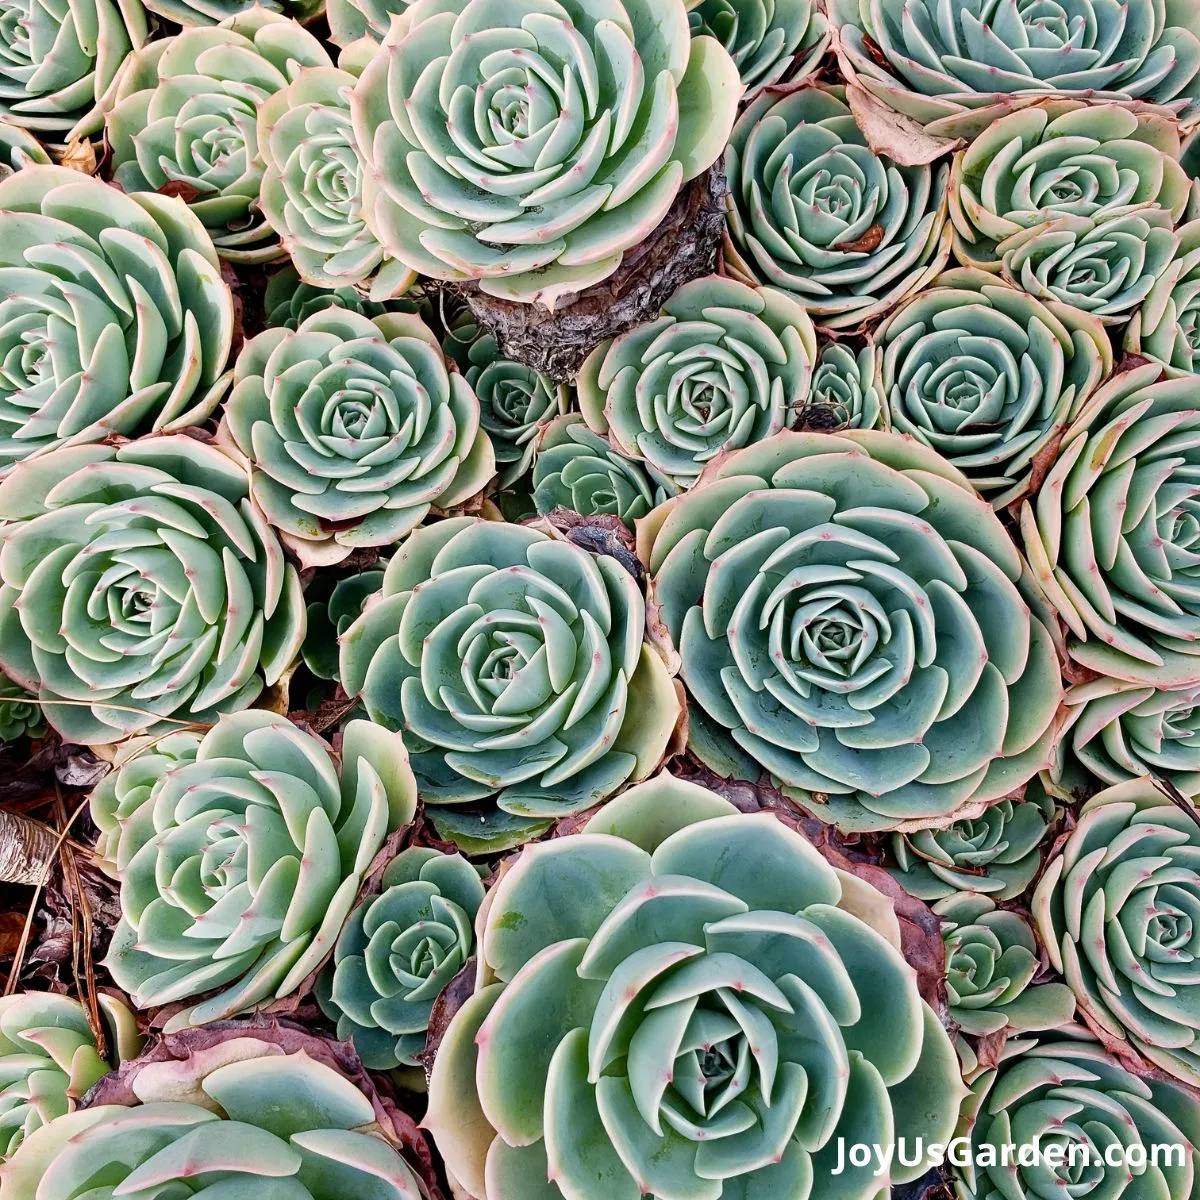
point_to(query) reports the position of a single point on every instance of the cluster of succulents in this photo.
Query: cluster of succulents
(629, 575)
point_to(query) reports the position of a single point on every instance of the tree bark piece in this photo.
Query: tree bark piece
(27, 849)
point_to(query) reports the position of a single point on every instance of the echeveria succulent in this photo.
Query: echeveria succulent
(850, 618)
(49, 1058)
(1114, 534)
(515, 664)
(516, 402)
(724, 366)
(955, 69)
(1068, 1096)
(1104, 265)
(140, 589)
(844, 392)
(114, 318)
(398, 952)
(312, 189)
(577, 469)
(770, 40)
(996, 854)
(333, 606)
(356, 21)
(354, 429)
(183, 113)
(528, 146)
(58, 60)
(1167, 326)
(239, 868)
(193, 13)
(988, 376)
(814, 210)
(683, 1000)
(289, 301)
(19, 148)
(1062, 158)
(234, 1118)
(1119, 911)
(20, 714)
(991, 961)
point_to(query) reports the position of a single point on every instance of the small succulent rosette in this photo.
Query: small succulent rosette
(528, 146)
(844, 392)
(114, 318)
(49, 1058)
(20, 713)
(1061, 158)
(333, 606)
(288, 301)
(814, 211)
(396, 955)
(1167, 325)
(723, 366)
(996, 854)
(238, 867)
(1117, 909)
(19, 148)
(355, 429)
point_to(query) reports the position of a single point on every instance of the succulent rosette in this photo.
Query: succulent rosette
(1119, 911)
(1105, 265)
(515, 664)
(354, 429)
(57, 61)
(312, 188)
(991, 962)
(844, 394)
(1061, 158)
(815, 211)
(49, 1058)
(239, 868)
(577, 469)
(1167, 326)
(140, 589)
(853, 619)
(183, 114)
(20, 715)
(333, 606)
(988, 376)
(769, 40)
(529, 146)
(19, 148)
(996, 854)
(398, 952)
(723, 366)
(1113, 535)
(355, 22)
(1067, 1094)
(956, 69)
(683, 1000)
(252, 1111)
(114, 318)
(288, 301)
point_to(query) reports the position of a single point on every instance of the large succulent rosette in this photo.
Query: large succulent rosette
(1119, 911)
(140, 589)
(238, 1112)
(851, 618)
(988, 376)
(312, 188)
(1113, 535)
(1061, 158)
(1069, 1095)
(955, 69)
(515, 664)
(996, 854)
(398, 952)
(1105, 265)
(769, 40)
(682, 1000)
(114, 318)
(815, 211)
(1167, 326)
(723, 366)
(49, 1057)
(239, 868)
(844, 392)
(354, 429)
(183, 113)
(58, 60)
(577, 469)
(528, 146)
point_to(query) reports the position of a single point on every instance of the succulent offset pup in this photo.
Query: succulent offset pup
(682, 1000)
